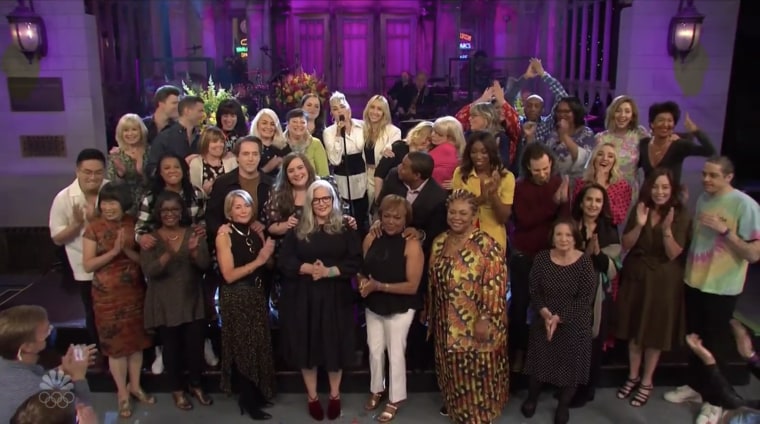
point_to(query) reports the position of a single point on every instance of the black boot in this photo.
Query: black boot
(249, 402)
(583, 395)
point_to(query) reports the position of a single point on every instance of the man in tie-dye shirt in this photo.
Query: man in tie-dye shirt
(725, 240)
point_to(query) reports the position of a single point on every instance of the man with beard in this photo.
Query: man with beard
(541, 196)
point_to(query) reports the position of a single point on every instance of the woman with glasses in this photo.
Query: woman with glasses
(318, 260)
(247, 357)
(174, 306)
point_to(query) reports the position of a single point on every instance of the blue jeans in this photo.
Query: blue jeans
(745, 416)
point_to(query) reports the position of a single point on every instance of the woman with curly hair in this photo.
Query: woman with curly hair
(467, 315)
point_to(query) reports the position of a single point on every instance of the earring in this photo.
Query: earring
(19, 356)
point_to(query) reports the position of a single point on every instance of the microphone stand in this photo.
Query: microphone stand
(346, 167)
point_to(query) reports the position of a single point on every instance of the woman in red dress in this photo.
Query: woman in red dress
(118, 293)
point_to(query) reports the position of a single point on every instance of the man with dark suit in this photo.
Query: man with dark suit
(412, 181)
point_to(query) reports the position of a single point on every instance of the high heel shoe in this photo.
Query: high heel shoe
(315, 409)
(202, 396)
(528, 408)
(561, 416)
(253, 411)
(333, 408)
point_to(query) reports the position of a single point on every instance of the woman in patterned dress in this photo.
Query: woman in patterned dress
(562, 287)
(118, 292)
(246, 345)
(126, 162)
(604, 170)
(467, 315)
(624, 131)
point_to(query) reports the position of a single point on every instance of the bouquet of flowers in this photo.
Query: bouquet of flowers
(289, 91)
(211, 96)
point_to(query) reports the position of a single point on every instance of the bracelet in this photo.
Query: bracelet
(753, 359)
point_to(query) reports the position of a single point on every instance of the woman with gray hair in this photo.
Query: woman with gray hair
(242, 255)
(318, 260)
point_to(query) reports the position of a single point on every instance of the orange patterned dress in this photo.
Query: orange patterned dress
(473, 375)
(118, 292)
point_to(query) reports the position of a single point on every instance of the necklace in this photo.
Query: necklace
(246, 237)
(240, 232)
(169, 237)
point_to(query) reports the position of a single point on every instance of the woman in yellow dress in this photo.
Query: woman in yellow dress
(482, 174)
(467, 309)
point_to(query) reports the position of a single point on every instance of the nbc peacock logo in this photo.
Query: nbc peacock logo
(56, 389)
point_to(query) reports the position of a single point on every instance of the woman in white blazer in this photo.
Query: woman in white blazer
(379, 135)
(212, 161)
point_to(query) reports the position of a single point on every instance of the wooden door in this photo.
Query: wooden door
(355, 60)
(397, 48)
(312, 44)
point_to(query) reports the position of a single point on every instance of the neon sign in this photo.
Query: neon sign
(242, 48)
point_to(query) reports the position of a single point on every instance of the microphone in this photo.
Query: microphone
(342, 125)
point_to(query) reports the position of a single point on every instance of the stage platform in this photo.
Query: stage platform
(64, 306)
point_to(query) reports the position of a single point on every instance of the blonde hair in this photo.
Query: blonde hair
(420, 133)
(609, 120)
(230, 198)
(451, 128)
(308, 224)
(590, 174)
(278, 140)
(371, 130)
(489, 113)
(18, 325)
(210, 133)
(130, 120)
(338, 98)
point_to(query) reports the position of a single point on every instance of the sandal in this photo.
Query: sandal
(373, 402)
(642, 395)
(628, 387)
(388, 414)
(181, 401)
(142, 396)
(125, 408)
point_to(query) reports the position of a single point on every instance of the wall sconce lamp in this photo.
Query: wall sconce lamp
(685, 30)
(28, 31)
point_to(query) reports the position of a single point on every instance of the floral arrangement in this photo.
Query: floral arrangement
(289, 91)
(211, 96)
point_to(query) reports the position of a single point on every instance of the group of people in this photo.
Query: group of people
(589, 234)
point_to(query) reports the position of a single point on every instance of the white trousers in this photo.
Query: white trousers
(388, 333)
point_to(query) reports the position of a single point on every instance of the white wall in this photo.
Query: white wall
(699, 86)
(28, 185)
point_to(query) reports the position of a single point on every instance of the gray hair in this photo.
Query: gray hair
(231, 198)
(308, 224)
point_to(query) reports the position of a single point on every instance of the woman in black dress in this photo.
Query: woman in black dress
(601, 242)
(246, 339)
(665, 148)
(388, 283)
(562, 285)
(319, 257)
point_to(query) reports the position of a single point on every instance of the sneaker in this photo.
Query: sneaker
(443, 411)
(683, 394)
(158, 365)
(709, 414)
(209, 355)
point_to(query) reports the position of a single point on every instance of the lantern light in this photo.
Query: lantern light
(685, 30)
(28, 31)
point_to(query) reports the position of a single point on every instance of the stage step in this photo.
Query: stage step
(670, 372)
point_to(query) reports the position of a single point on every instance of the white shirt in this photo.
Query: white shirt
(387, 136)
(354, 145)
(61, 216)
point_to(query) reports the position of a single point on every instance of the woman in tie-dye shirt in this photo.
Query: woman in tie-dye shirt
(571, 141)
(624, 132)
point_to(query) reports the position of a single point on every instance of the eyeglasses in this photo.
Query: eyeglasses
(89, 173)
(170, 210)
(323, 200)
